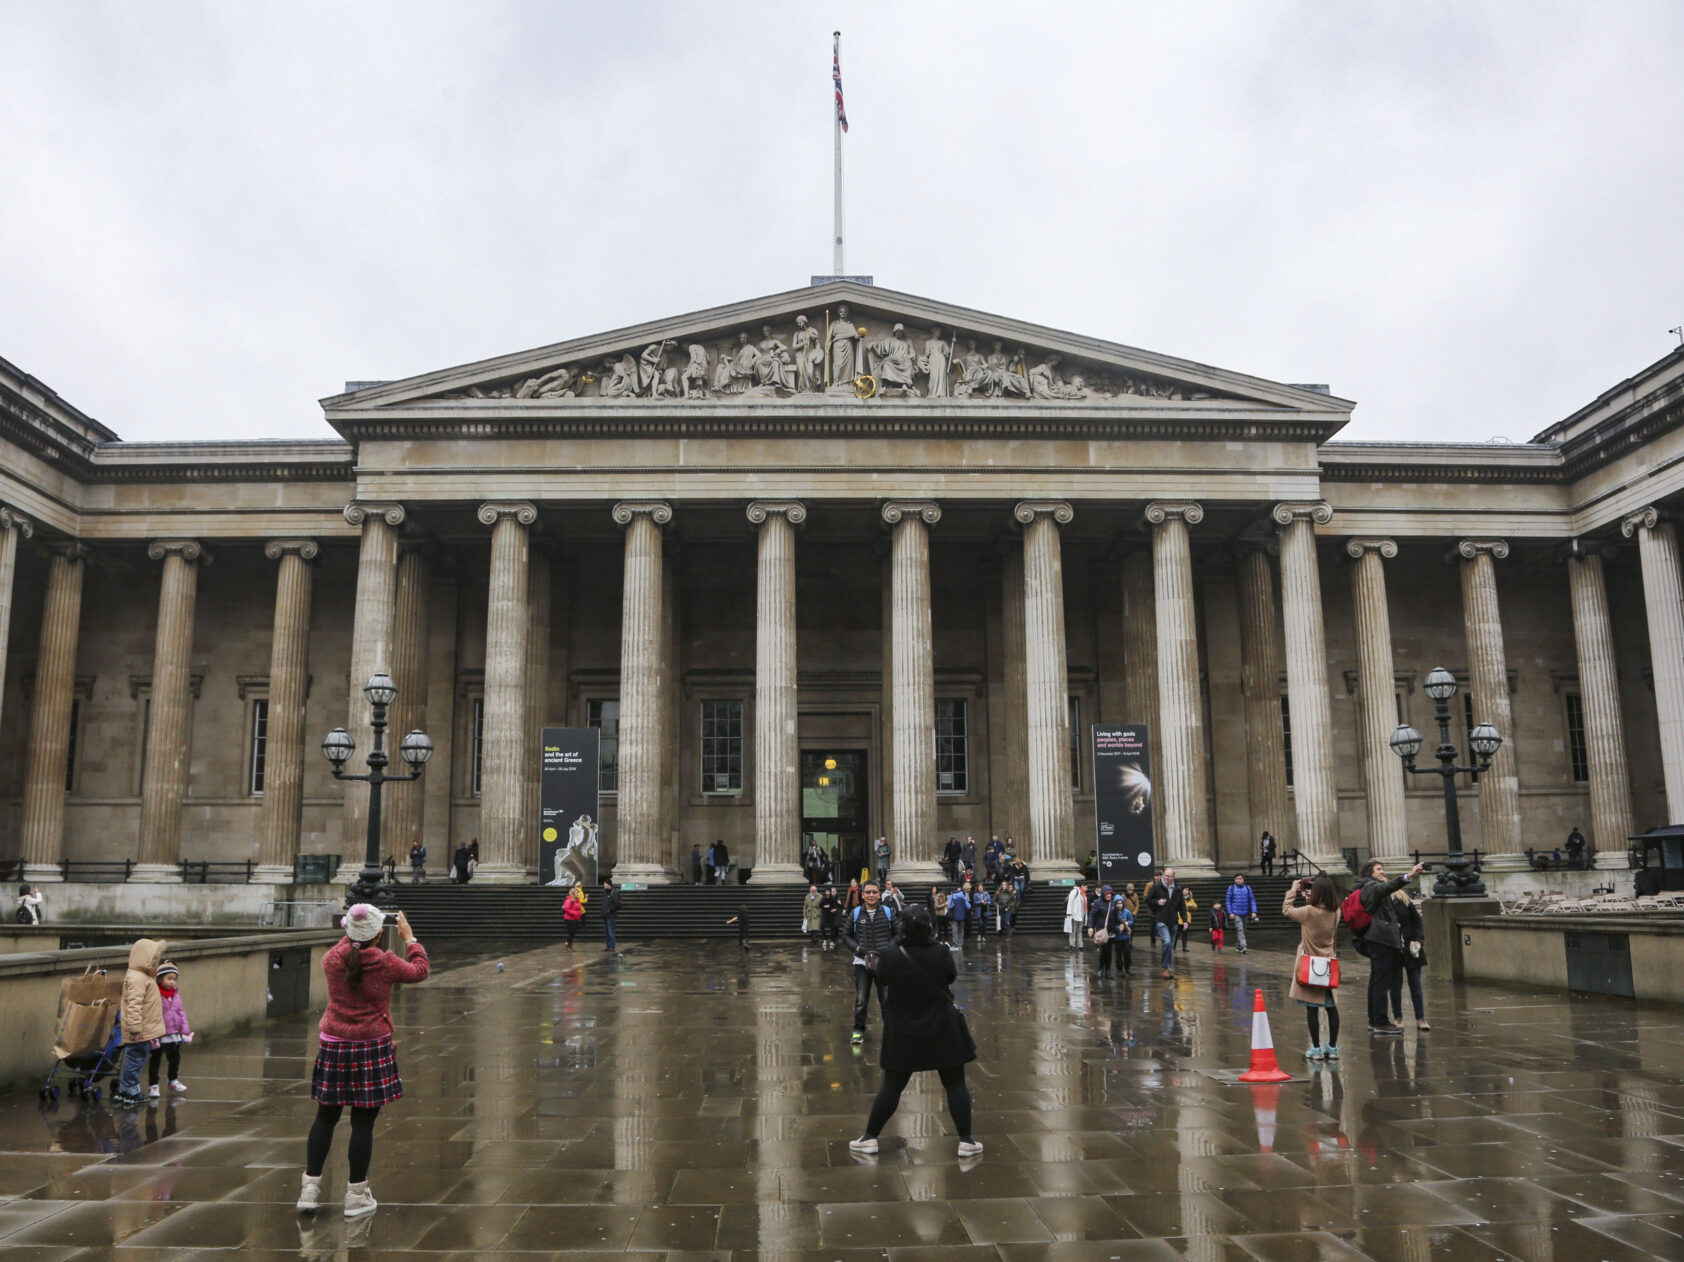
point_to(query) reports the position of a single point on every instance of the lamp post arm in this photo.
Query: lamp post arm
(340, 775)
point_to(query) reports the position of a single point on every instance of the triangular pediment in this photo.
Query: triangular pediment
(840, 341)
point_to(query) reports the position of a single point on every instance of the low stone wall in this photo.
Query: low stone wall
(224, 983)
(1533, 950)
(136, 902)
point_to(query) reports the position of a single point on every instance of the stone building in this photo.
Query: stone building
(837, 562)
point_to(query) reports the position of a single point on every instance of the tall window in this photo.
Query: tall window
(722, 747)
(259, 745)
(606, 716)
(953, 761)
(70, 753)
(1467, 729)
(1286, 737)
(1576, 755)
(476, 744)
(1076, 743)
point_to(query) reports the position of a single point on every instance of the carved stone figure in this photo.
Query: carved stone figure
(844, 343)
(973, 371)
(722, 373)
(619, 378)
(693, 381)
(809, 356)
(1045, 383)
(892, 361)
(559, 384)
(743, 365)
(1003, 375)
(649, 367)
(774, 368)
(935, 361)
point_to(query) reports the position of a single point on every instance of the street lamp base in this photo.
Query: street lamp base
(1460, 879)
(371, 887)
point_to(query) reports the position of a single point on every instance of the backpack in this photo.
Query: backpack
(1353, 913)
(25, 916)
(888, 912)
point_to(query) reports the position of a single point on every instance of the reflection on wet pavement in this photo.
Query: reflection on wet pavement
(688, 1100)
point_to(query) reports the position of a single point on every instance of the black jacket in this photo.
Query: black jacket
(1171, 912)
(611, 902)
(922, 1028)
(866, 933)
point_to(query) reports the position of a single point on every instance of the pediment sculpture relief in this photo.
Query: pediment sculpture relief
(833, 354)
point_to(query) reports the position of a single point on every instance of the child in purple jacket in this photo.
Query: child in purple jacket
(176, 1032)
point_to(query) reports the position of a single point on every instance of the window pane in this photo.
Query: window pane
(70, 753)
(1286, 737)
(259, 743)
(1076, 743)
(1576, 752)
(722, 747)
(476, 744)
(952, 747)
(1468, 727)
(605, 714)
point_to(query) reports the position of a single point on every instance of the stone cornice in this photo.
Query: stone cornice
(792, 511)
(1028, 510)
(1160, 511)
(275, 549)
(1441, 462)
(1358, 548)
(189, 550)
(658, 511)
(492, 512)
(927, 510)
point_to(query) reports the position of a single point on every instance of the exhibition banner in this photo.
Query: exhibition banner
(1122, 805)
(569, 777)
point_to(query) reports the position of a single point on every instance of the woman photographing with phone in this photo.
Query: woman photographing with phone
(1314, 904)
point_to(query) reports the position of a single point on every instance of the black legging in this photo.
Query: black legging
(170, 1050)
(1332, 1025)
(572, 927)
(321, 1139)
(894, 1082)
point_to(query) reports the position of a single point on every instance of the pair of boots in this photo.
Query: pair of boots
(358, 1199)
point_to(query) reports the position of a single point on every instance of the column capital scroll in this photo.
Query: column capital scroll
(894, 510)
(1468, 549)
(359, 511)
(1646, 518)
(1059, 510)
(492, 512)
(658, 511)
(793, 511)
(1318, 512)
(1358, 548)
(186, 549)
(275, 549)
(11, 519)
(1160, 511)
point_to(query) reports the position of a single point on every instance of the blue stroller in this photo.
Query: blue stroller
(89, 1038)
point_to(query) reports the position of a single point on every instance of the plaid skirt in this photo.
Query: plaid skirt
(362, 1075)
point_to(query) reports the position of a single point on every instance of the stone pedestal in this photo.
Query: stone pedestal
(1388, 835)
(641, 850)
(917, 850)
(1052, 824)
(1181, 800)
(170, 726)
(1663, 599)
(503, 828)
(49, 717)
(1499, 788)
(777, 745)
(283, 763)
(1442, 918)
(1599, 692)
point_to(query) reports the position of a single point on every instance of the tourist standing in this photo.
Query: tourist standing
(176, 1032)
(1184, 927)
(880, 854)
(695, 863)
(958, 912)
(459, 865)
(417, 862)
(572, 914)
(852, 899)
(923, 1030)
(1076, 914)
(869, 930)
(721, 861)
(892, 897)
(831, 911)
(1314, 904)
(1005, 906)
(32, 908)
(950, 859)
(142, 1017)
(982, 904)
(938, 911)
(812, 913)
(356, 1066)
(1131, 899)
(473, 857)
(1411, 961)
(1266, 852)
(967, 858)
(1166, 902)
(1382, 940)
(1241, 900)
(610, 912)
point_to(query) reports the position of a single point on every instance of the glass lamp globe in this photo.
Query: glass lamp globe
(1406, 741)
(1485, 740)
(337, 746)
(417, 747)
(380, 689)
(1441, 684)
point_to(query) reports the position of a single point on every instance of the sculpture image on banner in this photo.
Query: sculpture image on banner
(1122, 804)
(569, 779)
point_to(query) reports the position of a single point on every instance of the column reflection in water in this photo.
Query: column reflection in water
(776, 1136)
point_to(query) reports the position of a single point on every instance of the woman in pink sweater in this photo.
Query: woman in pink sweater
(356, 1066)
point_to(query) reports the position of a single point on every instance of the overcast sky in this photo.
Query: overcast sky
(1464, 216)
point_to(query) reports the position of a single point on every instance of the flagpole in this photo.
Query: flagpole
(836, 123)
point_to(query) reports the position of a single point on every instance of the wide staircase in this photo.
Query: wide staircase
(700, 911)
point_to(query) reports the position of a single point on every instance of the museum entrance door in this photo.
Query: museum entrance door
(835, 807)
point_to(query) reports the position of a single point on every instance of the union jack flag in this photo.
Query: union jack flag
(836, 76)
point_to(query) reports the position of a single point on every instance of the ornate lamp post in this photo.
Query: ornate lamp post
(1460, 878)
(338, 747)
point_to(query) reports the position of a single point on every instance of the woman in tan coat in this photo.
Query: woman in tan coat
(1315, 906)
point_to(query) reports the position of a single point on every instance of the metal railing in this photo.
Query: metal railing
(1555, 861)
(297, 914)
(208, 872)
(86, 871)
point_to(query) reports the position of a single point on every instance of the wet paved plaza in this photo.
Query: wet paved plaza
(690, 1100)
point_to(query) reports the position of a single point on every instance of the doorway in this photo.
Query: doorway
(835, 807)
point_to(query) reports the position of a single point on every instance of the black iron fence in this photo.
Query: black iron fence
(205, 872)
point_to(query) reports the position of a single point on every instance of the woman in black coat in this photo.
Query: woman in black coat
(922, 1029)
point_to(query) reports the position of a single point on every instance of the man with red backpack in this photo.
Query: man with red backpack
(1370, 913)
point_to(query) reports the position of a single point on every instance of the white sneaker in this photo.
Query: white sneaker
(865, 1143)
(969, 1147)
(310, 1195)
(152, 1092)
(178, 1086)
(359, 1200)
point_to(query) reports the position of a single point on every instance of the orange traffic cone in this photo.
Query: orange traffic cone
(1264, 1067)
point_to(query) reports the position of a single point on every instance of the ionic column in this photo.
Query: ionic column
(1388, 835)
(1599, 693)
(1012, 789)
(1052, 815)
(167, 735)
(503, 826)
(281, 815)
(1313, 789)
(1488, 671)
(915, 689)
(777, 746)
(13, 526)
(49, 717)
(1140, 656)
(402, 809)
(540, 578)
(1657, 549)
(641, 850)
(372, 632)
(1188, 843)
(1260, 687)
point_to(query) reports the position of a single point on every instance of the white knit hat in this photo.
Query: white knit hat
(363, 922)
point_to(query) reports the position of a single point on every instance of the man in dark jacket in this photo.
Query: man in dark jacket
(1167, 903)
(950, 859)
(867, 931)
(1382, 941)
(610, 910)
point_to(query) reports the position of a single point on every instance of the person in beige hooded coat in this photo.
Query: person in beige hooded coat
(142, 1016)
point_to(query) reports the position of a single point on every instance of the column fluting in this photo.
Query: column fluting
(777, 745)
(1599, 694)
(1140, 657)
(14, 527)
(403, 810)
(372, 631)
(1388, 832)
(1012, 792)
(1657, 550)
(914, 685)
(540, 578)
(49, 716)
(1488, 672)
(1184, 801)
(1260, 690)
(640, 850)
(1314, 791)
(1052, 815)
(169, 729)
(503, 827)
(281, 815)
